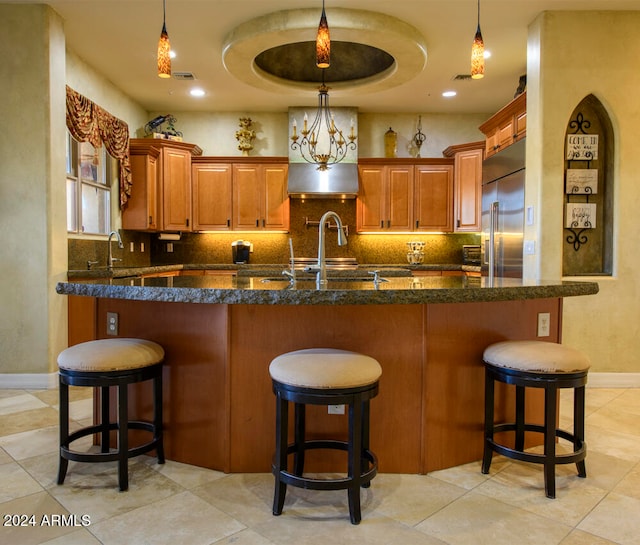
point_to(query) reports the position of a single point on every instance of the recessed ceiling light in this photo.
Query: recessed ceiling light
(448, 94)
(197, 92)
(487, 54)
(172, 54)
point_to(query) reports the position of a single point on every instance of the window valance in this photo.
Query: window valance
(88, 122)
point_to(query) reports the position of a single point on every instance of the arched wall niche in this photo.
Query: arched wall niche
(588, 191)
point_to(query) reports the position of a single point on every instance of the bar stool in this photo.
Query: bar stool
(324, 376)
(102, 364)
(536, 364)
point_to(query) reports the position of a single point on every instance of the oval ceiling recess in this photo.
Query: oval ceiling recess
(369, 51)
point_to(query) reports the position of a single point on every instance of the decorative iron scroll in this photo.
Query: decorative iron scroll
(581, 146)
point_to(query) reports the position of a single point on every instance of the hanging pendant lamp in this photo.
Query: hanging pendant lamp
(164, 47)
(477, 52)
(322, 142)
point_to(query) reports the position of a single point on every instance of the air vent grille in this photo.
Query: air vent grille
(462, 77)
(189, 76)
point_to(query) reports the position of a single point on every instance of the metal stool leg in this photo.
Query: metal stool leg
(157, 417)
(280, 458)
(489, 393)
(64, 428)
(550, 411)
(355, 460)
(578, 425)
(123, 437)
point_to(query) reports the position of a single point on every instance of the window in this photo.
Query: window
(90, 173)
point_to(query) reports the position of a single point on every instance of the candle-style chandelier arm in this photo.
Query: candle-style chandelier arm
(323, 142)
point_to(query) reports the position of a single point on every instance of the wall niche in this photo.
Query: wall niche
(588, 191)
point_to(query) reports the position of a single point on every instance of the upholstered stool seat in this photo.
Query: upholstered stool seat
(324, 376)
(104, 363)
(536, 364)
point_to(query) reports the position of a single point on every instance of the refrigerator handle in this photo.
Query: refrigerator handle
(493, 227)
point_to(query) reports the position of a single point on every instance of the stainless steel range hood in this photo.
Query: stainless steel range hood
(338, 182)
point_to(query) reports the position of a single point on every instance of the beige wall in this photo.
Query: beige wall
(586, 53)
(32, 258)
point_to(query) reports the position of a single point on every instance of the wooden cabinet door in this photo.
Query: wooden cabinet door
(211, 186)
(247, 196)
(468, 190)
(371, 198)
(141, 212)
(520, 125)
(399, 198)
(275, 213)
(434, 198)
(176, 190)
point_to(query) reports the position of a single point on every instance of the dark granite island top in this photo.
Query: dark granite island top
(340, 291)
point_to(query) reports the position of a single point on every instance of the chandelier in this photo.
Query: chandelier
(323, 142)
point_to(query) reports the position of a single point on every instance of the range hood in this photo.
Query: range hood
(340, 181)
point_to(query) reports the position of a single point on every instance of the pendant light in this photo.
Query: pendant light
(477, 52)
(322, 142)
(323, 42)
(164, 47)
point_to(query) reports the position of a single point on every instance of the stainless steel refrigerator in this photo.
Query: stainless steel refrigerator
(503, 177)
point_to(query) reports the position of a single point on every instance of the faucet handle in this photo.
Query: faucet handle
(90, 264)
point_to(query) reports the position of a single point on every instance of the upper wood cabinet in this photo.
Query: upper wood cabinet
(405, 195)
(164, 197)
(259, 196)
(434, 198)
(211, 188)
(507, 126)
(142, 211)
(385, 199)
(467, 185)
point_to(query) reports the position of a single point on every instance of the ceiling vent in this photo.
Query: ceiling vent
(462, 77)
(187, 76)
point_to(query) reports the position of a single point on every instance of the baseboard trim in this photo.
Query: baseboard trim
(28, 381)
(614, 380)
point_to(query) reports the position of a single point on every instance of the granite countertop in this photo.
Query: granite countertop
(343, 290)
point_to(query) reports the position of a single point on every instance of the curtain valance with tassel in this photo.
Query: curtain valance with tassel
(88, 122)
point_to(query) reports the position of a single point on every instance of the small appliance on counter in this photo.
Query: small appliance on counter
(415, 255)
(471, 254)
(240, 250)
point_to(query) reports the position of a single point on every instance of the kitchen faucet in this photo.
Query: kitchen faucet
(110, 258)
(321, 267)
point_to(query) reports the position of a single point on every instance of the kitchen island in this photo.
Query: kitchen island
(221, 332)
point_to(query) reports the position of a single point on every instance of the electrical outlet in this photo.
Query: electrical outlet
(112, 323)
(336, 409)
(142, 247)
(132, 247)
(169, 247)
(544, 319)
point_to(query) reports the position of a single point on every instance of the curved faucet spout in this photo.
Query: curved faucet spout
(321, 275)
(110, 258)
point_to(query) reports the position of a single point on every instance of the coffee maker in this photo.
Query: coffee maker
(240, 250)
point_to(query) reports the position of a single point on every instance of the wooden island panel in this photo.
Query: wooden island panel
(220, 409)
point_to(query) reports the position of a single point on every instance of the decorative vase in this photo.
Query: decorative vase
(390, 143)
(245, 136)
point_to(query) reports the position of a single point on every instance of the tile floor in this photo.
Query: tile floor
(180, 504)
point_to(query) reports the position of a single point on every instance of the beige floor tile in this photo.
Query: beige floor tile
(79, 537)
(613, 443)
(476, 519)
(248, 496)
(182, 518)
(18, 403)
(614, 419)
(92, 489)
(628, 401)
(185, 475)
(81, 409)
(616, 518)
(16, 482)
(468, 476)
(39, 441)
(4, 457)
(245, 537)
(578, 537)
(27, 420)
(411, 498)
(5, 392)
(39, 508)
(295, 528)
(630, 484)
(522, 485)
